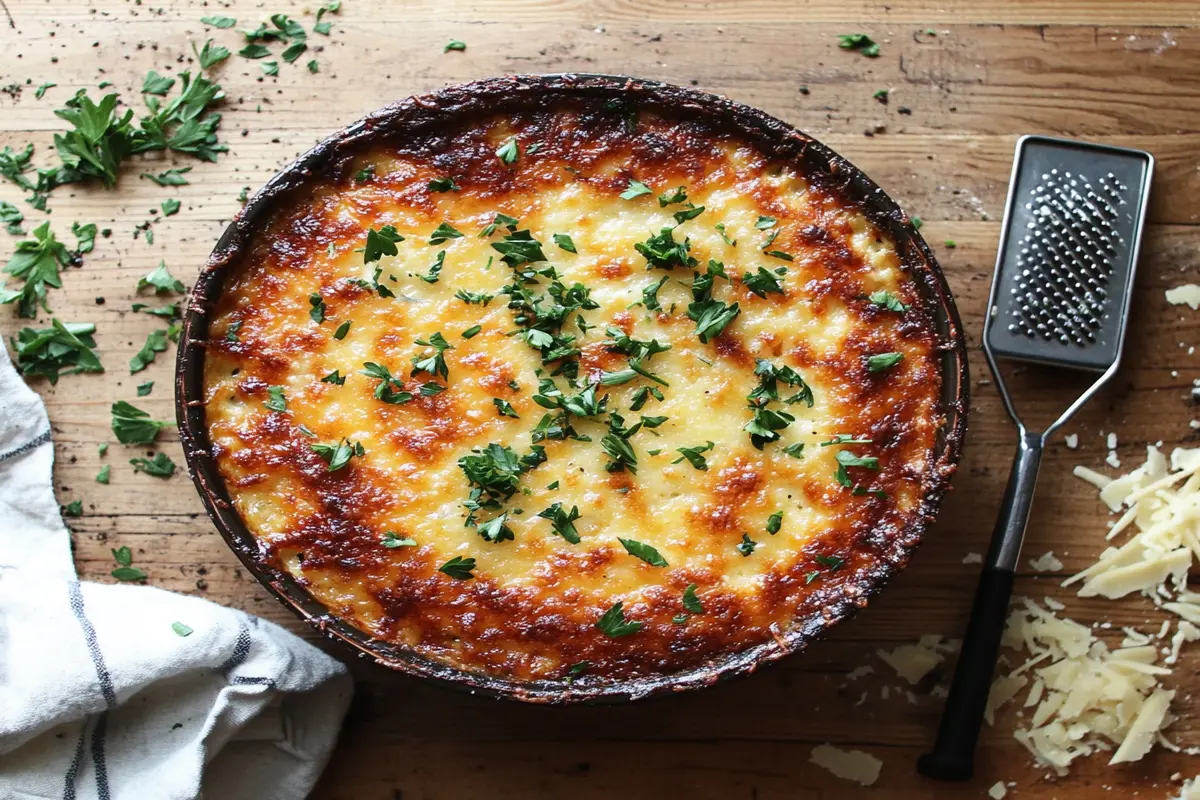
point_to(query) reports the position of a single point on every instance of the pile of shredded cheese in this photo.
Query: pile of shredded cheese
(1084, 696)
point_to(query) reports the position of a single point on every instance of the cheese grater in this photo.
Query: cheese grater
(1060, 297)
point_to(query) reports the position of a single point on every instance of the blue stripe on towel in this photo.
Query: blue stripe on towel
(99, 760)
(41, 439)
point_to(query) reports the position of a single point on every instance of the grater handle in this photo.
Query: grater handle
(953, 755)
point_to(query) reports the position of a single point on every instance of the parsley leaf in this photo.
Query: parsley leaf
(795, 450)
(435, 363)
(161, 466)
(500, 220)
(564, 242)
(614, 624)
(157, 84)
(389, 390)
(381, 243)
(720, 228)
(131, 425)
(335, 378)
(73, 509)
(473, 298)
(338, 455)
(883, 361)
(61, 349)
(847, 459)
(342, 330)
(36, 261)
(774, 523)
(769, 377)
(663, 252)
(505, 408)
(275, 399)
(888, 300)
(156, 342)
(691, 602)
(747, 545)
(443, 185)
(104, 474)
(562, 521)
(673, 197)
(219, 21)
(161, 281)
(765, 222)
(443, 233)
(144, 389)
(860, 42)
(170, 207)
(496, 529)
(181, 629)
(317, 312)
(391, 541)
(459, 568)
(11, 217)
(762, 282)
(765, 425)
(519, 247)
(635, 189)
(694, 456)
(454, 44)
(509, 152)
(435, 270)
(643, 551)
(170, 177)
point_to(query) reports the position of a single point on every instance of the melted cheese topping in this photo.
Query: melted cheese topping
(531, 604)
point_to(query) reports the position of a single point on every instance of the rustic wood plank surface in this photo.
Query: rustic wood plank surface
(985, 72)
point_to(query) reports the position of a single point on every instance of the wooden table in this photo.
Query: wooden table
(961, 92)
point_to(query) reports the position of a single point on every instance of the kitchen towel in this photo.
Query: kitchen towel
(102, 695)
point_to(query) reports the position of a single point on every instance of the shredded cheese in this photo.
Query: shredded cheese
(998, 791)
(1188, 293)
(914, 661)
(850, 765)
(1046, 562)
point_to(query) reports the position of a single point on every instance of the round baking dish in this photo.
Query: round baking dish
(514, 94)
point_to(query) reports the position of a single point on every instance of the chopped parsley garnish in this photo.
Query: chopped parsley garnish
(443, 185)
(494, 472)
(795, 450)
(11, 217)
(691, 603)
(470, 332)
(778, 254)
(391, 541)
(161, 281)
(747, 545)
(335, 378)
(36, 261)
(643, 551)
(577, 669)
(131, 425)
(720, 228)
(40, 92)
(564, 242)
(844, 438)
(694, 455)
(431, 389)
(473, 298)
(881, 95)
(443, 233)
(769, 378)
(231, 330)
(663, 252)
(170, 207)
(834, 563)
(390, 389)
(433, 363)
(317, 312)
(762, 282)
(765, 424)
(519, 247)
(917, 222)
(454, 44)
(614, 624)
(181, 629)
(218, 21)
(650, 294)
(381, 243)
(61, 349)
(314, 66)
(156, 342)
(338, 455)
(774, 523)
(860, 42)
(883, 361)
(886, 299)
(635, 188)
(496, 529)
(342, 330)
(562, 521)
(500, 220)
(125, 570)
(435, 270)
(764, 223)
(509, 152)
(951, 244)
(847, 459)
(673, 197)
(170, 177)
(459, 568)
(504, 408)
(275, 399)
(710, 315)
(169, 311)
(365, 174)
(616, 445)
(161, 466)
(691, 212)
(73, 509)
(104, 474)
(642, 396)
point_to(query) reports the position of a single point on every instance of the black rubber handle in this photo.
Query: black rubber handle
(953, 755)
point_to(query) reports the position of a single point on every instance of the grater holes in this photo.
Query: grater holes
(1064, 260)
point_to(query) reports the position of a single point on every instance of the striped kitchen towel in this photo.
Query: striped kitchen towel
(130, 692)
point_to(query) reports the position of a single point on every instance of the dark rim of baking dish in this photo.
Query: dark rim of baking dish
(775, 139)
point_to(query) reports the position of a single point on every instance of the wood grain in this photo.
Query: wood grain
(1125, 73)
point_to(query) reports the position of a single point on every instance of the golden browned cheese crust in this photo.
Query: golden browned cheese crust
(530, 607)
